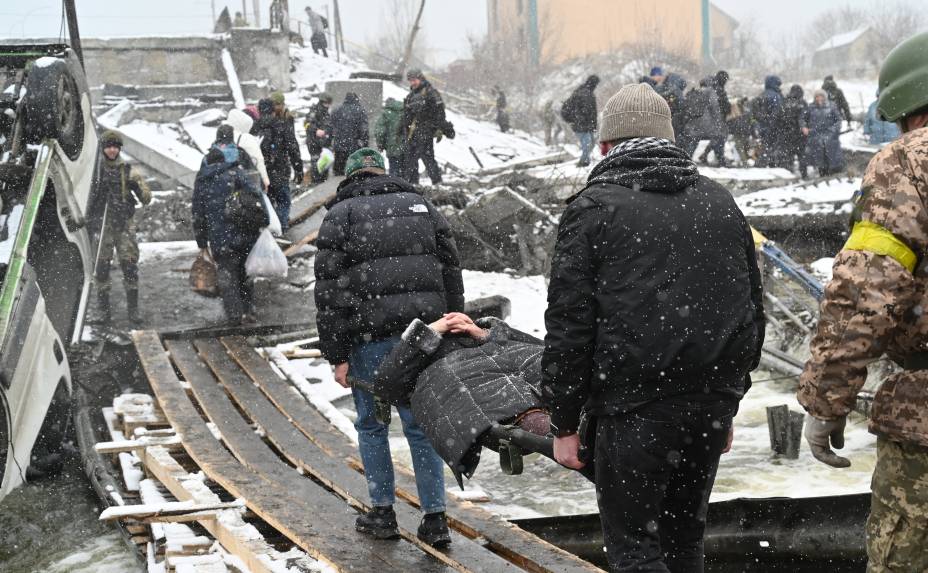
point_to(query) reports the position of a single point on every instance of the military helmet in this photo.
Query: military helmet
(904, 79)
(110, 138)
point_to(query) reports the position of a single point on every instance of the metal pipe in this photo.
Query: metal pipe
(73, 31)
(789, 314)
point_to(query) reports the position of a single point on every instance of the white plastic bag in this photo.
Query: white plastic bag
(266, 259)
(274, 225)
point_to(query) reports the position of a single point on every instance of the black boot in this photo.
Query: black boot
(434, 530)
(103, 304)
(132, 305)
(380, 522)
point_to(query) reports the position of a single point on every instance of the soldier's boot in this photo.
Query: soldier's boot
(132, 305)
(103, 304)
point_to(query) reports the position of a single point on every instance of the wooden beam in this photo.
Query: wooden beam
(168, 512)
(295, 247)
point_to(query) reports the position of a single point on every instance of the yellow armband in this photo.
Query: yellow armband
(870, 237)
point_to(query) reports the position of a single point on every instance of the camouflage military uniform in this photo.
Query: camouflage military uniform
(875, 305)
(121, 186)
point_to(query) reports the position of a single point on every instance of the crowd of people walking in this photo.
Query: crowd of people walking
(768, 130)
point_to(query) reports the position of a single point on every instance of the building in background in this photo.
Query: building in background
(553, 31)
(849, 54)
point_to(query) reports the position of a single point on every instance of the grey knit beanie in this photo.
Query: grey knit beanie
(636, 110)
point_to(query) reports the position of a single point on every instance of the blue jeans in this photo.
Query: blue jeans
(279, 194)
(374, 440)
(586, 145)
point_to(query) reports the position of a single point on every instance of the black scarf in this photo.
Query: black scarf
(648, 164)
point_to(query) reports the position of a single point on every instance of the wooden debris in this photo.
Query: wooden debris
(171, 511)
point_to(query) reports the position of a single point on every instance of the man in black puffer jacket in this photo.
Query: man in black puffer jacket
(654, 321)
(349, 131)
(386, 257)
(579, 111)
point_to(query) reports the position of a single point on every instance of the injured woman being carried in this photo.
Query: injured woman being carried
(464, 380)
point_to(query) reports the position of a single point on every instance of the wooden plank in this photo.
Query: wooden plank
(171, 511)
(254, 551)
(310, 238)
(334, 539)
(275, 505)
(509, 541)
(463, 554)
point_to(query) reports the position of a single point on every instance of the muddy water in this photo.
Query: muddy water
(51, 527)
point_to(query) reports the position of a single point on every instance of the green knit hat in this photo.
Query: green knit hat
(365, 160)
(110, 137)
(277, 98)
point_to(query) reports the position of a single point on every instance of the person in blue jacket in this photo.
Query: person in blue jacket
(879, 131)
(224, 170)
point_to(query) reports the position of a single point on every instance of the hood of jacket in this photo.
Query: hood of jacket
(664, 169)
(368, 184)
(772, 83)
(240, 121)
(795, 92)
(393, 105)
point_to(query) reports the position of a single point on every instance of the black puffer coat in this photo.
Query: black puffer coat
(654, 290)
(279, 146)
(579, 110)
(386, 257)
(349, 126)
(459, 387)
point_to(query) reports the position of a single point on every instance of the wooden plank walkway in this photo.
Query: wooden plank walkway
(322, 535)
(299, 474)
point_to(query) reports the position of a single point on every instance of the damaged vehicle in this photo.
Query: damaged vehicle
(48, 156)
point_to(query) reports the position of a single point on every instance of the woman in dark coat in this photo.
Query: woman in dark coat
(823, 128)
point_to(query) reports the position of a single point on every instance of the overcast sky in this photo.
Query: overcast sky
(448, 23)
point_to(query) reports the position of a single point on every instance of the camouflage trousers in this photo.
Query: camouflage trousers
(118, 237)
(897, 529)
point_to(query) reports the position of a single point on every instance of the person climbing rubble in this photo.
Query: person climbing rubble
(122, 187)
(873, 307)
(424, 122)
(318, 125)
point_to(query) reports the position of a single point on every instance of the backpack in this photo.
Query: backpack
(244, 207)
(568, 109)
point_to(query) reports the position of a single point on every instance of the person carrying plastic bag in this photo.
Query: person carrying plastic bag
(228, 215)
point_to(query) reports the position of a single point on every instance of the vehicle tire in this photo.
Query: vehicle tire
(53, 108)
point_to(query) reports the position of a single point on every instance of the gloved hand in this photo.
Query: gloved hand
(822, 435)
(438, 135)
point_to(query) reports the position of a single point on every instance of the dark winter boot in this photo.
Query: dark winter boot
(103, 304)
(380, 522)
(132, 306)
(434, 530)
